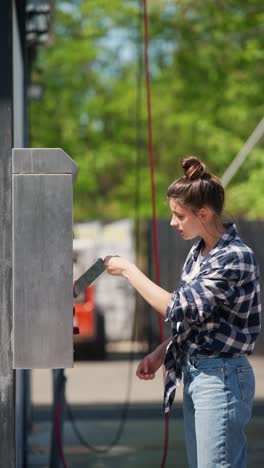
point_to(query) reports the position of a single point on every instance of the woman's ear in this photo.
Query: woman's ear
(204, 213)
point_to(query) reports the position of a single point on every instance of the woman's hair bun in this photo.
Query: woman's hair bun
(193, 168)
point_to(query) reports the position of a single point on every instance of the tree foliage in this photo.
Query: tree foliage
(206, 64)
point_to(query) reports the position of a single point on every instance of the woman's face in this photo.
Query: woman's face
(187, 223)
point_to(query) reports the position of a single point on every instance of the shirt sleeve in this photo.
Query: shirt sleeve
(226, 281)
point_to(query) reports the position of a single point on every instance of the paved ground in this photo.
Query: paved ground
(96, 392)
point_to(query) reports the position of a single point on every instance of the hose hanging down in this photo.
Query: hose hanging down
(153, 198)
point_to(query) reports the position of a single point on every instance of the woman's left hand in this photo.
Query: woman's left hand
(116, 265)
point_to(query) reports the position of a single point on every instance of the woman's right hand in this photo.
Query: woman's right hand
(149, 365)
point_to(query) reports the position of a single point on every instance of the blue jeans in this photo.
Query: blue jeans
(217, 404)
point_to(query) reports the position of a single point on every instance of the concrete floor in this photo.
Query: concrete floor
(96, 392)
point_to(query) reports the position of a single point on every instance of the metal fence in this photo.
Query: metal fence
(173, 251)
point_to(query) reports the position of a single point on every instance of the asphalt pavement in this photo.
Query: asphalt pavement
(114, 420)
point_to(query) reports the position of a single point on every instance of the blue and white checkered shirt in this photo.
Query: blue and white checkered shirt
(218, 312)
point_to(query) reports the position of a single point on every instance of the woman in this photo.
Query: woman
(215, 320)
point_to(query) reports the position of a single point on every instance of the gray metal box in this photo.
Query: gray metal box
(42, 258)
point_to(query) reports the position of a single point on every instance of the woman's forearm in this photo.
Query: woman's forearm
(161, 349)
(157, 297)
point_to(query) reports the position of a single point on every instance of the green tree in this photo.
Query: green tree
(206, 62)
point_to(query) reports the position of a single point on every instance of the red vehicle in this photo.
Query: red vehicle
(90, 342)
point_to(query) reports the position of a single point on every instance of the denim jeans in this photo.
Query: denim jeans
(217, 404)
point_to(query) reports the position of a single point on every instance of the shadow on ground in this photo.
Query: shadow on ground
(141, 441)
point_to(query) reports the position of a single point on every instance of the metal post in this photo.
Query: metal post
(243, 153)
(7, 376)
(58, 414)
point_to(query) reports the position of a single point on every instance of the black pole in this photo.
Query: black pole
(7, 376)
(58, 415)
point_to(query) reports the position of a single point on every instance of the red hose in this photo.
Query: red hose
(153, 198)
(152, 163)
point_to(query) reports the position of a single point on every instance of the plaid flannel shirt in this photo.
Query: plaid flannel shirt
(218, 312)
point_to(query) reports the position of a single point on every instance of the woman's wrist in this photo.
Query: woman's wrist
(130, 270)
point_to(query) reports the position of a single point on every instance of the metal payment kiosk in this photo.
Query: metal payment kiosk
(42, 199)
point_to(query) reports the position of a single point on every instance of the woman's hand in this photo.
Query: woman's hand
(149, 365)
(116, 265)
